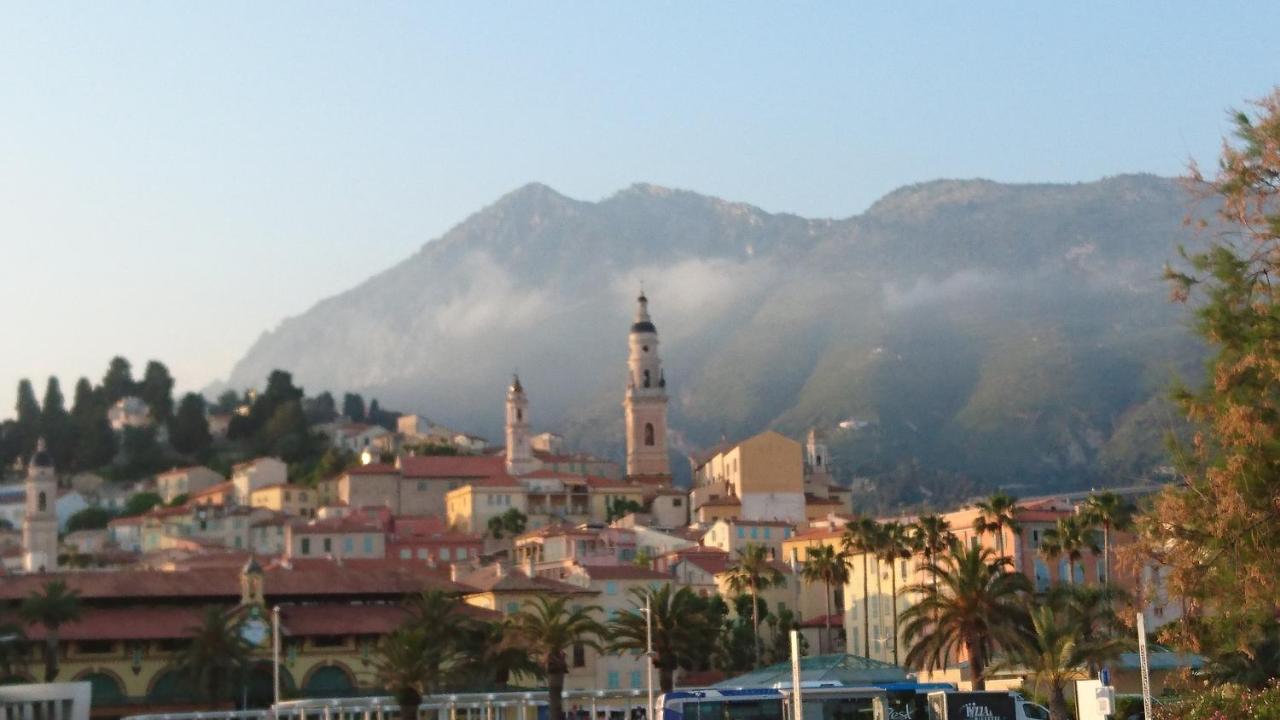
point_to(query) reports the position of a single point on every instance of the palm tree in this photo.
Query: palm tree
(930, 535)
(398, 661)
(860, 537)
(682, 629)
(1052, 649)
(215, 661)
(437, 617)
(1092, 611)
(975, 605)
(51, 606)
(12, 644)
(750, 573)
(829, 567)
(490, 658)
(997, 513)
(1111, 512)
(894, 546)
(1069, 538)
(548, 628)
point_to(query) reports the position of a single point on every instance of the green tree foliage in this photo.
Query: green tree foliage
(995, 514)
(749, 573)
(824, 564)
(1053, 652)
(85, 401)
(189, 429)
(95, 442)
(214, 664)
(976, 605)
(227, 402)
(55, 424)
(549, 628)
(353, 407)
(141, 453)
(90, 518)
(1226, 562)
(139, 503)
(684, 625)
(13, 651)
(28, 419)
(1070, 538)
(156, 390)
(52, 606)
(118, 382)
(621, 507)
(321, 408)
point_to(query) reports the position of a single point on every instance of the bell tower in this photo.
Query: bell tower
(645, 403)
(40, 523)
(520, 459)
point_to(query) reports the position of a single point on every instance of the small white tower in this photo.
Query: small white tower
(645, 403)
(816, 451)
(40, 525)
(520, 459)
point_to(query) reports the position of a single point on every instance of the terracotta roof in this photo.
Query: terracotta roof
(622, 572)
(372, 619)
(181, 470)
(452, 466)
(820, 621)
(488, 579)
(348, 524)
(225, 486)
(758, 523)
(323, 578)
(372, 469)
(554, 530)
(126, 623)
(709, 560)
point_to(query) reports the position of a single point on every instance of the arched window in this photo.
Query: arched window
(646, 378)
(648, 434)
(41, 502)
(519, 414)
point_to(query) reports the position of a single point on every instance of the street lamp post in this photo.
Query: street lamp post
(275, 653)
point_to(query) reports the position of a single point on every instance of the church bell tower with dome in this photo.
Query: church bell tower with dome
(40, 523)
(645, 403)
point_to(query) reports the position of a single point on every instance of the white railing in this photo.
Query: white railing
(45, 701)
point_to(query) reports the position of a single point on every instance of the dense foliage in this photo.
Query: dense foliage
(1226, 563)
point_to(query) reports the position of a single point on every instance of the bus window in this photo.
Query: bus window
(907, 706)
(755, 710)
(839, 709)
(704, 711)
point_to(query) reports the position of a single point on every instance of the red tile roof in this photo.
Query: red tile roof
(222, 487)
(350, 524)
(452, 466)
(372, 469)
(322, 578)
(820, 621)
(379, 619)
(722, 502)
(490, 579)
(622, 572)
(126, 623)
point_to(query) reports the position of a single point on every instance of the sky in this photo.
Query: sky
(177, 178)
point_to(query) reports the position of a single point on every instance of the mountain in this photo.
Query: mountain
(971, 333)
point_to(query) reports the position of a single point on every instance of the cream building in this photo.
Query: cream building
(253, 474)
(764, 474)
(286, 498)
(645, 403)
(185, 481)
(40, 525)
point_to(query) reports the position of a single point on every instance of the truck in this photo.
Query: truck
(983, 706)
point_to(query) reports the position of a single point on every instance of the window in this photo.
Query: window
(95, 647)
(328, 545)
(579, 653)
(460, 553)
(288, 496)
(648, 434)
(755, 533)
(348, 545)
(519, 414)
(786, 533)
(613, 680)
(513, 607)
(41, 502)
(423, 554)
(766, 533)
(368, 544)
(902, 573)
(676, 502)
(406, 554)
(646, 378)
(302, 497)
(306, 546)
(444, 553)
(635, 678)
(1042, 575)
(422, 486)
(611, 588)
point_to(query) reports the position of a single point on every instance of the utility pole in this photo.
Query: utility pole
(648, 641)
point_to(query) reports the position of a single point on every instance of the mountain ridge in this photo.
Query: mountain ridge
(776, 320)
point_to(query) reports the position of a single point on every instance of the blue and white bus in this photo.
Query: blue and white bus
(890, 701)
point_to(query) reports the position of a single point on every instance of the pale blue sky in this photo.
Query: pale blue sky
(175, 178)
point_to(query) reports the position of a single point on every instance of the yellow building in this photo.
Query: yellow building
(764, 473)
(135, 625)
(286, 498)
(469, 508)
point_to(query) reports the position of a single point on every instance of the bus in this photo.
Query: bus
(890, 701)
